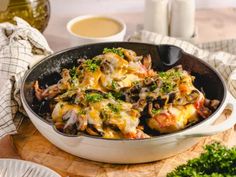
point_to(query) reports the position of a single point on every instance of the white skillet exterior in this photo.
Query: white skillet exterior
(134, 151)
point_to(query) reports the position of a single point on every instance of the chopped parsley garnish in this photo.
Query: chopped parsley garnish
(216, 161)
(114, 95)
(156, 111)
(109, 95)
(162, 74)
(114, 107)
(92, 64)
(114, 85)
(73, 73)
(167, 87)
(117, 95)
(93, 97)
(168, 80)
(153, 87)
(114, 50)
(81, 112)
(171, 74)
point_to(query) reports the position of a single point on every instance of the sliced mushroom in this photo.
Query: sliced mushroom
(82, 122)
(204, 112)
(92, 131)
(51, 92)
(106, 67)
(193, 96)
(140, 105)
(129, 54)
(38, 91)
(70, 127)
(212, 104)
(70, 117)
(147, 62)
(171, 97)
(150, 107)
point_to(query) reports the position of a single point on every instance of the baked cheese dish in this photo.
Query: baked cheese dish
(118, 95)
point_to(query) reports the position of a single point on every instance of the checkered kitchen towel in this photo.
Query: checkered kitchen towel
(221, 54)
(20, 47)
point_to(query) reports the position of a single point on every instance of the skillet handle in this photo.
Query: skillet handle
(214, 129)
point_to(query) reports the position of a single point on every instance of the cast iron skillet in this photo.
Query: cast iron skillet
(163, 57)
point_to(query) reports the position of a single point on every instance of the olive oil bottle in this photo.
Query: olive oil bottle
(35, 12)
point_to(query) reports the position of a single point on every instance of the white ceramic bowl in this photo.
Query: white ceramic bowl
(79, 40)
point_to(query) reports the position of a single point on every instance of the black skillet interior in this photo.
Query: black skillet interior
(163, 57)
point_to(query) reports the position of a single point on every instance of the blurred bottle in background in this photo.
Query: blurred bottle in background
(35, 12)
(156, 16)
(182, 21)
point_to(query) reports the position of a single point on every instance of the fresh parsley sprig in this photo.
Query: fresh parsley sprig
(117, 51)
(92, 64)
(216, 161)
(93, 97)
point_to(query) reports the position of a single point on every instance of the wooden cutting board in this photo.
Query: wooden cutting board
(32, 146)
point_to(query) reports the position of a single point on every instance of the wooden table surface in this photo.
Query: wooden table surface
(215, 24)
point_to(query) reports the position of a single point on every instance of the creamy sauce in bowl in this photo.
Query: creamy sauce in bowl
(96, 27)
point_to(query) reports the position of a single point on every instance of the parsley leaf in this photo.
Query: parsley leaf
(114, 95)
(114, 50)
(114, 85)
(216, 161)
(167, 87)
(92, 64)
(73, 72)
(114, 107)
(153, 87)
(156, 111)
(93, 97)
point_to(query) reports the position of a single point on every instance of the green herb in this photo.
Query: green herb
(153, 87)
(135, 82)
(168, 78)
(62, 105)
(114, 85)
(109, 95)
(81, 112)
(73, 72)
(156, 111)
(171, 74)
(216, 161)
(162, 74)
(114, 107)
(92, 64)
(166, 87)
(114, 50)
(117, 95)
(93, 97)
(114, 95)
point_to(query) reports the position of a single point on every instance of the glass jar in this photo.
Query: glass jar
(35, 12)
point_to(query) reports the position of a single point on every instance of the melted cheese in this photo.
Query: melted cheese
(116, 60)
(175, 119)
(91, 80)
(61, 109)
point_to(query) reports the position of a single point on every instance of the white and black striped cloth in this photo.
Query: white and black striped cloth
(20, 47)
(220, 54)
